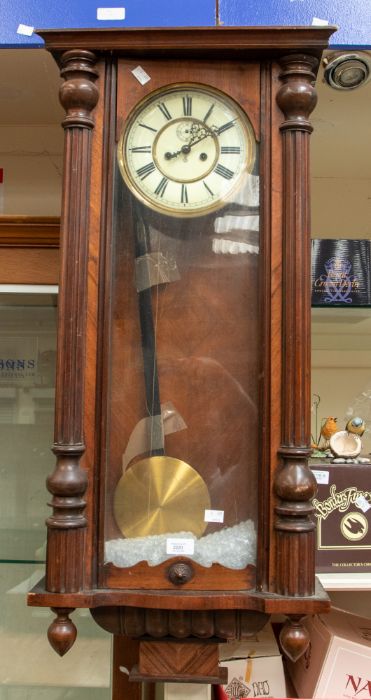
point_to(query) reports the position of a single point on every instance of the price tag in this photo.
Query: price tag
(318, 22)
(25, 29)
(320, 476)
(141, 75)
(109, 13)
(176, 545)
(214, 516)
(363, 504)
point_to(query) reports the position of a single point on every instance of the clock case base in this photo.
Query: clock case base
(285, 581)
(188, 618)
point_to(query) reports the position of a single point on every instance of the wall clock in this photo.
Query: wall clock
(182, 495)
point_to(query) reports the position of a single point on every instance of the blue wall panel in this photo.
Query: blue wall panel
(353, 17)
(49, 14)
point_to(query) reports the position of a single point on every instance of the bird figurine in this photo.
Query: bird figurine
(354, 526)
(328, 429)
(356, 425)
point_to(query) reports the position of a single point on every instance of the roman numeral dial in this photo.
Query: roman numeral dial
(164, 110)
(224, 172)
(187, 105)
(186, 150)
(184, 195)
(161, 187)
(146, 170)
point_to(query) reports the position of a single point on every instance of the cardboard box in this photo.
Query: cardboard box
(343, 513)
(338, 661)
(219, 694)
(187, 691)
(255, 668)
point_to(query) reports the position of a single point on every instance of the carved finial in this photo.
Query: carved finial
(62, 631)
(294, 638)
(297, 97)
(67, 484)
(79, 94)
(295, 482)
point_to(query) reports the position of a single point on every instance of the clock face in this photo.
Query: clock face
(186, 150)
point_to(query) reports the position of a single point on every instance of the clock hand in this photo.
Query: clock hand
(210, 131)
(186, 148)
(196, 138)
(183, 149)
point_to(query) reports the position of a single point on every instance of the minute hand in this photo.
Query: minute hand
(193, 141)
(188, 146)
(212, 131)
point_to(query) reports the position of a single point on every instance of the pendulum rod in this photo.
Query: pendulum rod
(147, 329)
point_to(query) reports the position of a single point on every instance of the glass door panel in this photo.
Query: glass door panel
(184, 358)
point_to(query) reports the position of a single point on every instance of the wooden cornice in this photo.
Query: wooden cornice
(192, 41)
(29, 231)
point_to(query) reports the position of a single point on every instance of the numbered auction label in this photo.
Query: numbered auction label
(141, 75)
(214, 516)
(176, 545)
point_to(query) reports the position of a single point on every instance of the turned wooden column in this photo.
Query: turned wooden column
(68, 483)
(294, 484)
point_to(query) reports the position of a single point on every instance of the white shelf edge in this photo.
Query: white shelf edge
(346, 582)
(29, 289)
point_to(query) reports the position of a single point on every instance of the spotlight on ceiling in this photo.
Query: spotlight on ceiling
(346, 72)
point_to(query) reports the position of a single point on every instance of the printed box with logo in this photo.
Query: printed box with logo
(338, 661)
(341, 272)
(255, 668)
(343, 514)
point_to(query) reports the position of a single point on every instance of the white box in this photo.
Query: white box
(338, 661)
(255, 667)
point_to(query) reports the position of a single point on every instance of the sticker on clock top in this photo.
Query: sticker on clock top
(178, 545)
(110, 13)
(25, 29)
(318, 22)
(140, 74)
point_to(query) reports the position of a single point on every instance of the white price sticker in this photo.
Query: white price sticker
(320, 476)
(107, 13)
(214, 516)
(141, 75)
(176, 545)
(363, 504)
(318, 22)
(25, 29)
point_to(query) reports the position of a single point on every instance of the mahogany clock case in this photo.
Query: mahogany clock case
(248, 406)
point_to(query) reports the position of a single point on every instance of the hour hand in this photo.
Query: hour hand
(184, 149)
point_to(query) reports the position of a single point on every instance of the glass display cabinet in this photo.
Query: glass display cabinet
(28, 315)
(182, 495)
